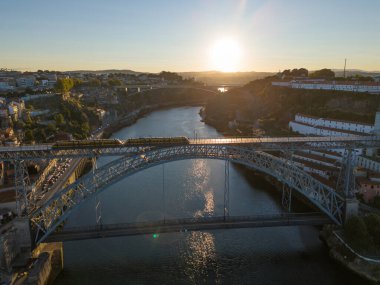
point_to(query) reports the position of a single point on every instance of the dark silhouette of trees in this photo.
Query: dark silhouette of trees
(323, 73)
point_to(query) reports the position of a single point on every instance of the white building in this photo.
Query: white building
(38, 96)
(26, 81)
(334, 124)
(370, 163)
(369, 87)
(36, 113)
(315, 126)
(6, 84)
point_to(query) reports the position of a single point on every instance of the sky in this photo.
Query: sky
(188, 35)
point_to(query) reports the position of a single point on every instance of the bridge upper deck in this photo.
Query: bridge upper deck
(109, 147)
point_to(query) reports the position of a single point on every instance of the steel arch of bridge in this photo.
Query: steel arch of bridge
(48, 217)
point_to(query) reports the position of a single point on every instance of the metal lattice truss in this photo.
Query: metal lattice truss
(42, 152)
(22, 186)
(48, 151)
(54, 212)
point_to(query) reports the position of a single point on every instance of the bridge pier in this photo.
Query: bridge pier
(15, 244)
(98, 204)
(21, 185)
(286, 198)
(351, 208)
(49, 262)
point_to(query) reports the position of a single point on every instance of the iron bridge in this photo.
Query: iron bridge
(46, 218)
(48, 151)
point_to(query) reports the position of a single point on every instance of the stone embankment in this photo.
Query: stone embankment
(340, 251)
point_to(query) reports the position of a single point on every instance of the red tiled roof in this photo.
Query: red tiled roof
(316, 165)
(329, 182)
(316, 157)
(330, 152)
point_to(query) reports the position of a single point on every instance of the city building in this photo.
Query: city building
(369, 186)
(311, 125)
(7, 84)
(352, 86)
(26, 81)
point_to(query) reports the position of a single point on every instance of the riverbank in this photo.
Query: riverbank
(342, 253)
(137, 114)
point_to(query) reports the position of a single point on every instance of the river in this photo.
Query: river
(283, 255)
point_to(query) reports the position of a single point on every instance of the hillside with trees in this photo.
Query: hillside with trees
(270, 108)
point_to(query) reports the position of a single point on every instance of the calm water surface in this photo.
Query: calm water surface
(284, 255)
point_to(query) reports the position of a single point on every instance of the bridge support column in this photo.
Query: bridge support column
(286, 198)
(226, 189)
(351, 208)
(15, 246)
(21, 186)
(98, 204)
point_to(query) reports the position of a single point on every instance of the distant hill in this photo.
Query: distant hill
(353, 72)
(208, 77)
(125, 71)
(217, 77)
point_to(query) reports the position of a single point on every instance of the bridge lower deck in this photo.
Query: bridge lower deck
(185, 225)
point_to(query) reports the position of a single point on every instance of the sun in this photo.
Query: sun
(225, 55)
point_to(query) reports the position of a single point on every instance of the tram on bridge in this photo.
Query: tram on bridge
(118, 143)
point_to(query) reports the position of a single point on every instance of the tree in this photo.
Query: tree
(323, 73)
(95, 82)
(59, 119)
(303, 72)
(170, 76)
(40, 134)
(85, 128)
(114, 82)
(356, 232)
(19, 125)
(29, 137)
(51, 129)
(77, 82)
(359, 77)
(372, 222)
(28, 119)
(376, 202)
(64, 84)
